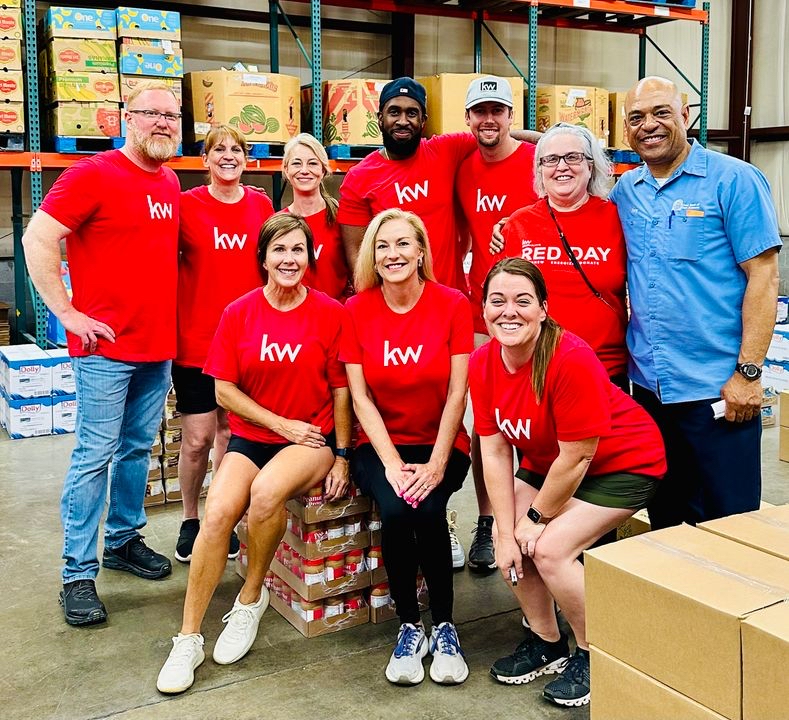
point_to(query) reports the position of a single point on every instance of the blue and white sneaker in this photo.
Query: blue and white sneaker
(405, 665)
(449, 664)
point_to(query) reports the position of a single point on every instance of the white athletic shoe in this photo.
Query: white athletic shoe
(405, 665)
(178, 672)
(241, 629)
(458, 553)
(449, 665)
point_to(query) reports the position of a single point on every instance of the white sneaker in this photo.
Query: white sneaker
(178, 672)
(458, 553)
(405, 665)
(449, 665)
(241, 629)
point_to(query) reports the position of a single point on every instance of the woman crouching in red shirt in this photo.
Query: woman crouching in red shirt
(591, 458)
(406, 343)
(274, 357)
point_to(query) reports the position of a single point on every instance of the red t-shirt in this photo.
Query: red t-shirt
(487, 192)
(595, 235)
(331, 275)
(423, 184)
(122, 251)
(218, 263)
(578, 402)
(285, 361)
(406, 358)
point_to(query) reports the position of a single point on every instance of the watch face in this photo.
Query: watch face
(534, 515)
(750, 371)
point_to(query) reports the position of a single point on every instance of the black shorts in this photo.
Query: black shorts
(194, 390)
(261, 453)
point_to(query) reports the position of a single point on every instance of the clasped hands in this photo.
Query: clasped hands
(413, 482)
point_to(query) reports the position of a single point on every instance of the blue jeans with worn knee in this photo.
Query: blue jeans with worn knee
(119, 410)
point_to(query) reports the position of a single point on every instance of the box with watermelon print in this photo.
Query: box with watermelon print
(350, 112)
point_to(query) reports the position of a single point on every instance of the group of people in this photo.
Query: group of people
(276, 355)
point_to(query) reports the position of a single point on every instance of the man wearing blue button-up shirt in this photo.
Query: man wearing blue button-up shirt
(702, 244)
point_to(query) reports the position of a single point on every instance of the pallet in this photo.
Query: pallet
(86, 145)
(350, 152)
(624, 156)
(12, 142)
(257, 151)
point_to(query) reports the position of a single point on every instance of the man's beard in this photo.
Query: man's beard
(401, 148)
(158, 148)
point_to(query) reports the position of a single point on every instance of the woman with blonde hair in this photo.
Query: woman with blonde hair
(406, 343)
(305, 166)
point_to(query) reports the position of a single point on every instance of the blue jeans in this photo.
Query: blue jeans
(119, 410)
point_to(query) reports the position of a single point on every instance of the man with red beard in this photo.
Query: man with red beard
(118, 213)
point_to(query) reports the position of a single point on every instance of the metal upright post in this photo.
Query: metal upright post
(642, 54)
(705, 72)
(317, 125)
(477, 44)
(273, 45)
(531, 120)
(20, 272)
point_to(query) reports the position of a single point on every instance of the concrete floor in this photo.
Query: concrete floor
(50, 670)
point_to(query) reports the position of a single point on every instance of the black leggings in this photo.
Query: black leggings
(414, 537)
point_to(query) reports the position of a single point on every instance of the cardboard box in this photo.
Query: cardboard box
(264, 107)
(11, 23)
(768, 416)
(152, 58)
(12, 117)
(154, 494)
(171, 439)
(783, 443)
(314, 628)
(154, 468)
(25, 371)
(11, 54)
(26, 417)
(446, 102)
(775, 374)
(635, 525)
(172, 488)
(62, 372)
(340, 586)
(81, 55)
(85, 119)
(329, 511)
(662, 601)
(576, 105)
(779, 345)
(86, 87)
(765, 529)
(765, 655)
(64, 414)
(350, 112)
(616, 119)
(623, 693)
(72, 22)
(783, 408)
(12, 86)
(322, 548)
(145, 23)
(128, 82)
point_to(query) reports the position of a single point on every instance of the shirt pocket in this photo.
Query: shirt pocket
(634, 227)
(686, 238)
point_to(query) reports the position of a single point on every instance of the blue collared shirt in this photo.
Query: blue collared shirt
(685, 241)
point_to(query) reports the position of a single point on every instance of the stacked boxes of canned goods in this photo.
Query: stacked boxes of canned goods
(79, 72)
(12, 107)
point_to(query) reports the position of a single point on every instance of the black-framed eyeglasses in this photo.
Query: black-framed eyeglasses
(571, 158)
(155, 115)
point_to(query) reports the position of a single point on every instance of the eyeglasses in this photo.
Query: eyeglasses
(155, 115)
(571, 158)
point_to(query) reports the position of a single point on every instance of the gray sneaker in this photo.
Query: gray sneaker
(449, 664)
(241, 629)
(405, 664)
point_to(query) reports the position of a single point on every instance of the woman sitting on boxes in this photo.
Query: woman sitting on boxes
(591, 458)
(274, 358)
(406, 343)
(305, 166)
(216, 265)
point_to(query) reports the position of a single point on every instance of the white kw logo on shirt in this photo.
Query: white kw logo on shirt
(223, 241)
(409, 194)
(318, 251)
(268, 350)
(513, 432)
(159, 211)
(489, 202)
(392, 354)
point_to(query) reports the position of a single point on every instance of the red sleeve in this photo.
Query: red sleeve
(461, 334)
(580, 396)
(222, 360)
(350, 349)
(512, 235)
(336, 368)
(458, 147)
(73, 197)
(484, 423)
(354, 209)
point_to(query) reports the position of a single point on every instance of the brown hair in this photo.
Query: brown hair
(277, 226)
(311, 143)
(551, 331)
(219, 132)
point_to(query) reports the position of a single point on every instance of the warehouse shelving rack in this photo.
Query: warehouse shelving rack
(622, 16)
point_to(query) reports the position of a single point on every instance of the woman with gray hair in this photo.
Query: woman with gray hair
(573, 234)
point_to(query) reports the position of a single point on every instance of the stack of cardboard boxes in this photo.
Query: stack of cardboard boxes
(37, 391)
(12, 96)
(576, 105)
(691, 622)
(783, 418)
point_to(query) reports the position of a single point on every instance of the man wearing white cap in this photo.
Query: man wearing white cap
(491, 183)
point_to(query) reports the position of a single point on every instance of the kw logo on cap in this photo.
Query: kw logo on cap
(489, 85)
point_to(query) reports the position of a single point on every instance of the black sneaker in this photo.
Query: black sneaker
(138, 559)
(186, 539)
(532, 658)
(235, 546)
(480, 555)
(572, 687)
(81, 604)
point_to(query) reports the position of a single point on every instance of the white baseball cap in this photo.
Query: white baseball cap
(489, 89)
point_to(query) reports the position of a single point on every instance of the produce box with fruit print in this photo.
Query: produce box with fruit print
(12, 117)
(84, 119)
(576, 105)
(265, 107)
(350, 112)
(83, 87)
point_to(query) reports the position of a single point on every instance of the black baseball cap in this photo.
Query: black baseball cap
(403, 87)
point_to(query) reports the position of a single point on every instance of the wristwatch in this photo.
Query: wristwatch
(345, 452)
(534, 514)
(750, 371)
